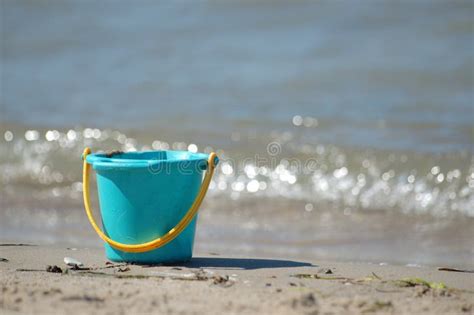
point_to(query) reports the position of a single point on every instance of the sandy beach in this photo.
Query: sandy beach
(216, 283)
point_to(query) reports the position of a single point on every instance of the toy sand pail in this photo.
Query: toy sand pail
(148, 202)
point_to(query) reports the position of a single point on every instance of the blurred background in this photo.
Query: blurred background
(377, 95)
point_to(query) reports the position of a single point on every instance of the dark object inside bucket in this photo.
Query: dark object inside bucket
(113, 153)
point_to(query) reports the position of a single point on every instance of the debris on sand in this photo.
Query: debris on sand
(54, 269)
(75, 264)
(316, 276)
(28, 270)
(376, 276)
(109, 265)
(71, 262)
(223, 281)
(455, 269)
(413, 282)
(16, 244)
(326, 271)
(200, 275)
(4, 259)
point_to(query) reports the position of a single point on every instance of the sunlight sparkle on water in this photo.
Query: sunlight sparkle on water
(8, 135)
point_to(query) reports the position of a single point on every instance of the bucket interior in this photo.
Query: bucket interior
(152, 155)
(145, 158)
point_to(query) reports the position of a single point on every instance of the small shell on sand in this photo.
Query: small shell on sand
(72, 262)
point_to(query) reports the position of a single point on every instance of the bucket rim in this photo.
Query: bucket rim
(145, 159)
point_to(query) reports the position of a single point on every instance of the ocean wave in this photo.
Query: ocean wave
(46, 164)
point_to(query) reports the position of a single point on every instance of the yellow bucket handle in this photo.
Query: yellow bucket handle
(161, 241)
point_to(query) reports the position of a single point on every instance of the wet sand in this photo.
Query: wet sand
(216, 283)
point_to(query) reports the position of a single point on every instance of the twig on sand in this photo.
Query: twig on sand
(376, 276)
(17, 244)
(30, 270)
(316, 276)
(455, 269)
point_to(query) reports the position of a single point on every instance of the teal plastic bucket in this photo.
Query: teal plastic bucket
(143, 195)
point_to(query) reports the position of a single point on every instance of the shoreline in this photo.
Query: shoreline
(214, 283)
(373, 238)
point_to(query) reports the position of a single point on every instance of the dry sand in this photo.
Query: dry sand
(214, 283)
